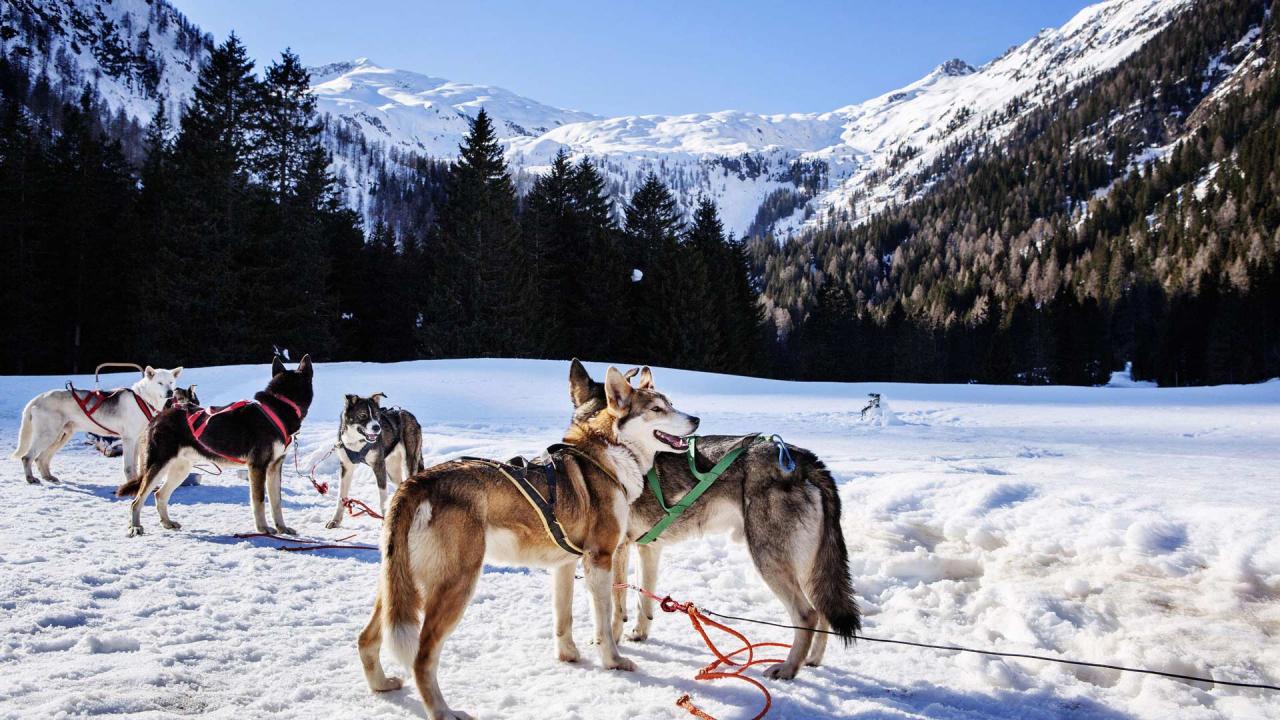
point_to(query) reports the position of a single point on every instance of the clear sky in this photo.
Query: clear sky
(619, 57)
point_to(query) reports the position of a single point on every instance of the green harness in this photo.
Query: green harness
(705, 481)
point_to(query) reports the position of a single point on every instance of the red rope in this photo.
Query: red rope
(700, 623)
(307, 545)
(351, 504)
(322, 488)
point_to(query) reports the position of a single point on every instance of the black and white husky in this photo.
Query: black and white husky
(51, 418)
(790, 520)
(388, 440)
(255, 433)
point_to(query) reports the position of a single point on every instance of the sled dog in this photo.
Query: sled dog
(51, 418)
(254, 433)
(112, 446)
(388, 440)
(790, 520)
(446, 521)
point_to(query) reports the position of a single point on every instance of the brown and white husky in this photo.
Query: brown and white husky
(446, 521)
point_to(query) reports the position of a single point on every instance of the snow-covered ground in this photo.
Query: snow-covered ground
(1132, 525)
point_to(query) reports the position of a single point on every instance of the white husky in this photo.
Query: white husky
(51, 418)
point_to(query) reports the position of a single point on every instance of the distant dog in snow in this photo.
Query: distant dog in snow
(388, 440)
(51, 418)
(255, 433)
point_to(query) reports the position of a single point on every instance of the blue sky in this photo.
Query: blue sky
(618, 58)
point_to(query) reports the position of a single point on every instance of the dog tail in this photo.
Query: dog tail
(25, 433)
(830, 588)
(412, 435)
(129, 487)
(410, 512)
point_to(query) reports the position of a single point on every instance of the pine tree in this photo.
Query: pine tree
(655, 306)
(286, 146)
(703, 277)
(479, 274)
(552, 233)
(604, 276)
(298, 207)
(211, 261)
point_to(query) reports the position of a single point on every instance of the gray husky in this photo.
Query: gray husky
(789, 519)
(388, 440)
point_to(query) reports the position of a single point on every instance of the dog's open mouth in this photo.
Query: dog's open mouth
(678, 443)
(369, 437)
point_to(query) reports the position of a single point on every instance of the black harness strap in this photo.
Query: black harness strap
(386, 417)
(357, 458)
(518, 474)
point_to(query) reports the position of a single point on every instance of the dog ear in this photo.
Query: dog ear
(377, 398)
(150, 372)
(646, 379)
(176, 372)
(351, 399)
(277, 366)
(581, 386)
(631, 373)
(304, 366)
(617, 391)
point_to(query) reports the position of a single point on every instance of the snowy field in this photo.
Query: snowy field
(1128, 525)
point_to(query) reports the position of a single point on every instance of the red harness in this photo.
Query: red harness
(198, 420)
(93, 401)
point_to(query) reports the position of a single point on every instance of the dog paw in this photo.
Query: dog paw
(388, 684)
(135, 530)
(568, 653)
(52, 479)
(285, 530)
(451, 715)
(620, 663)
(638, 635)
(781, 671)
(31, 479)
(170, 525)
(333, 524)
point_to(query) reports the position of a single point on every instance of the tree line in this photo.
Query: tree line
(230, 237)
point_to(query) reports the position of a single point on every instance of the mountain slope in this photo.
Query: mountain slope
(862, 153)
(768, 173)
(1132, 218)
(424, 114)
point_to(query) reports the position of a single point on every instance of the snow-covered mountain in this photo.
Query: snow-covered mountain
(814, 167)
(768, 173)
(426, 115)
(137, 53)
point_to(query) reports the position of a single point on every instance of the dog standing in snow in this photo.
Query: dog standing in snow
(389, 441)
(255, 433)
(445, 522)
(789, 519)
(51, 418)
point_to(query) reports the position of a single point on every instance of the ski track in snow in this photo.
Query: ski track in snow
(1128, 525)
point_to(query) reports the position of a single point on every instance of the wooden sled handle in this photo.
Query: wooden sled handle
(98, 370)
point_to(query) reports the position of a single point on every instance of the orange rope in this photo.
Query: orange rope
(364, 509)
(700, 623)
